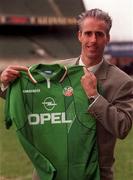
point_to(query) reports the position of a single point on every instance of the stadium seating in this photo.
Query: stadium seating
(26, 42)
(26, 7)
(41, 7)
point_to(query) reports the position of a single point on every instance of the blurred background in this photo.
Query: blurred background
(46, 30)
(37, 31)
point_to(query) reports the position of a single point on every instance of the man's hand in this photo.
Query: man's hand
(11, 73)
(89, 83)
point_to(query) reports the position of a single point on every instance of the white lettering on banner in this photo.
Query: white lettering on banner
(54, 118)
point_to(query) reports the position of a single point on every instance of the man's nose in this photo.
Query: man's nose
(93, 37)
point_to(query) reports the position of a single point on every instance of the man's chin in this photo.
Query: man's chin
(92, 56)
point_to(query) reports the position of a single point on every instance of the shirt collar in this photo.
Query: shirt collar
(92, 68)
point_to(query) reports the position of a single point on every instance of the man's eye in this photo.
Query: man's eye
(100, 34)
(89, 33)
(97, 33)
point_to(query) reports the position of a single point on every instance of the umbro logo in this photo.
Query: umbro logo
(31, 91)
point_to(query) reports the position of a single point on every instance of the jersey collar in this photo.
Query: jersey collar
(42, 72)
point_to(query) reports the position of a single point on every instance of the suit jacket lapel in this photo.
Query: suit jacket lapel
(101, 73)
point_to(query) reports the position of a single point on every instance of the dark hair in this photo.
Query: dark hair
(97, 14)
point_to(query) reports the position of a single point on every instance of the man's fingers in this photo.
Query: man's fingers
(18, 68)
(89, 76)
(11, 73)
(89, 73)
(85, 69)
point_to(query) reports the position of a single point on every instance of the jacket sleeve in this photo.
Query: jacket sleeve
(116, 116)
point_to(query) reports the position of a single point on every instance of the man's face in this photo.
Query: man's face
(93, 38)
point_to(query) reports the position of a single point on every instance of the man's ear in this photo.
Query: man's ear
(80, 35)
(108, 38)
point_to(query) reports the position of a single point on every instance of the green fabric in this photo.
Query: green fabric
(53, 124)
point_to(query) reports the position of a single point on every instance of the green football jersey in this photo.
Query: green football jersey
(50, 110)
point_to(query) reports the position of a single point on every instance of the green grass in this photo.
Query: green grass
(124, 158)
(15, 164)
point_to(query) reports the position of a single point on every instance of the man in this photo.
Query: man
(112, 107)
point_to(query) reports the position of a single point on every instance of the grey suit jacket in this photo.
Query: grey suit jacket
(113, 112)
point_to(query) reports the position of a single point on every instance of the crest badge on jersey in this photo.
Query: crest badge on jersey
(68, 91)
